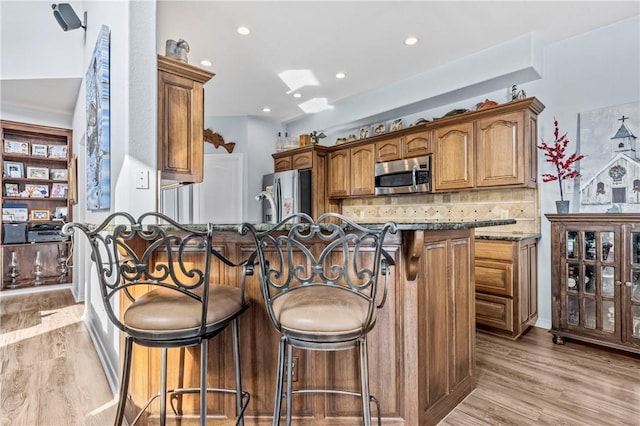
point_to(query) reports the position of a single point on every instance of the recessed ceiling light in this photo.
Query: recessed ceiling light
(297, 95)
(243, 31)
(266, 109)
(340, 75)
(410, 41)
(205, 63)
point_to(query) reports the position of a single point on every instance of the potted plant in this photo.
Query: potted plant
(556, 154)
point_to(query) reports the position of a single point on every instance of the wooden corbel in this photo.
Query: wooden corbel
(217, 140)
(413, 245)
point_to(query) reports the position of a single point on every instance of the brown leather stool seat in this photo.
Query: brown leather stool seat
(164, 310)
(322, 311)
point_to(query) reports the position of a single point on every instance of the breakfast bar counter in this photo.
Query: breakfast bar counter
(421, 351)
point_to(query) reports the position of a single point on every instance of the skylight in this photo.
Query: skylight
(315, 105)
(296, 79)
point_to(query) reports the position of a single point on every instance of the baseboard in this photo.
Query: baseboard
(542, 323)
(38, 289)
(78, 293)
(92, 323)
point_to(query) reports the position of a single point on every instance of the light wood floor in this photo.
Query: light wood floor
(50, 375)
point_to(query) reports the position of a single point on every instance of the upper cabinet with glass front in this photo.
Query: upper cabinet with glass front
(595, 279)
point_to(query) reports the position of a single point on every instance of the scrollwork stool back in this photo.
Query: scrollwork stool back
(182, 308)
(319, 280)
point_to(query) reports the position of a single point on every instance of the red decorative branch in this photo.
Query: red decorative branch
(555, 154)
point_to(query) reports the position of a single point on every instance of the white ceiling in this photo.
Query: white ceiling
(364, 39)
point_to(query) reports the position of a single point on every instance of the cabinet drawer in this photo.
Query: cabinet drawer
(303, 160)
(494, 249)
(494, 277)
(494, 311)
(282, 164)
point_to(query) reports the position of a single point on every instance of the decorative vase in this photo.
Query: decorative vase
(13, 270)
(38, 272)
(562, 207)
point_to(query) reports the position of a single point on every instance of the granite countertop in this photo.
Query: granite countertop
(507, 236)
(418, 226)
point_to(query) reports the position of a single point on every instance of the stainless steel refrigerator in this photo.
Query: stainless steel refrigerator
(290, 192)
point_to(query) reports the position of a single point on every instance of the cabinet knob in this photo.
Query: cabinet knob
(628, 283)
(617, 282)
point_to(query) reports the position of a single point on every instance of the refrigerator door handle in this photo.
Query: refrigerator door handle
(277, 195)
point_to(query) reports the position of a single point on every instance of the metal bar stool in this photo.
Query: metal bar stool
(183, 308)
(319, 280)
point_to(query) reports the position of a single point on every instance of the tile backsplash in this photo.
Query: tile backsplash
(520, 204)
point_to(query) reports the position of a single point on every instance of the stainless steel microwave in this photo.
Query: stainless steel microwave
(409, 176)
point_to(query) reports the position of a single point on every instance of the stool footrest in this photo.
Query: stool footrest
(338, 392)
(245, 395)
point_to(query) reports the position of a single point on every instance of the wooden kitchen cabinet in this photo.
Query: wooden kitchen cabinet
(293, 160)
(351, 172)
(416, 144)
(407, 146)
(312, 157)
(180, 121)
(506, 285)
(445, 321)
(389, 150)
(454, 157)
(282, 164)
(595, 279)
(506, 150)
(338, 184)
(362, 168)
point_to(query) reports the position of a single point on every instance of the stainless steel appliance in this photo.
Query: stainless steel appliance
(285, 193)
(412, 175)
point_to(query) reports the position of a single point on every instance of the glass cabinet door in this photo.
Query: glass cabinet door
(589, 281)
(631, 291)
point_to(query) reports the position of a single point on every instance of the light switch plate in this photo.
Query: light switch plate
(142, 179)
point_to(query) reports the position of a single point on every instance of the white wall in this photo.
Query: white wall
(591, 71)
(46, 79)
(133, 142)
(514, 62)
(255, 138)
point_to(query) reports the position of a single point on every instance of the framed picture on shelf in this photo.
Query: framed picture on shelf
(13, 169)
(379, 128)
(59, 174)
(40, 215)
(61, 213)
(14, 147)
(363, 132)
(59, 190)
(38, 150)
(15, 214)
(37, 172)
(57, 151)
(11, 190)
(37, 191)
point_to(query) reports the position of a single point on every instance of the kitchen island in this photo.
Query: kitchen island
(421, 351)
